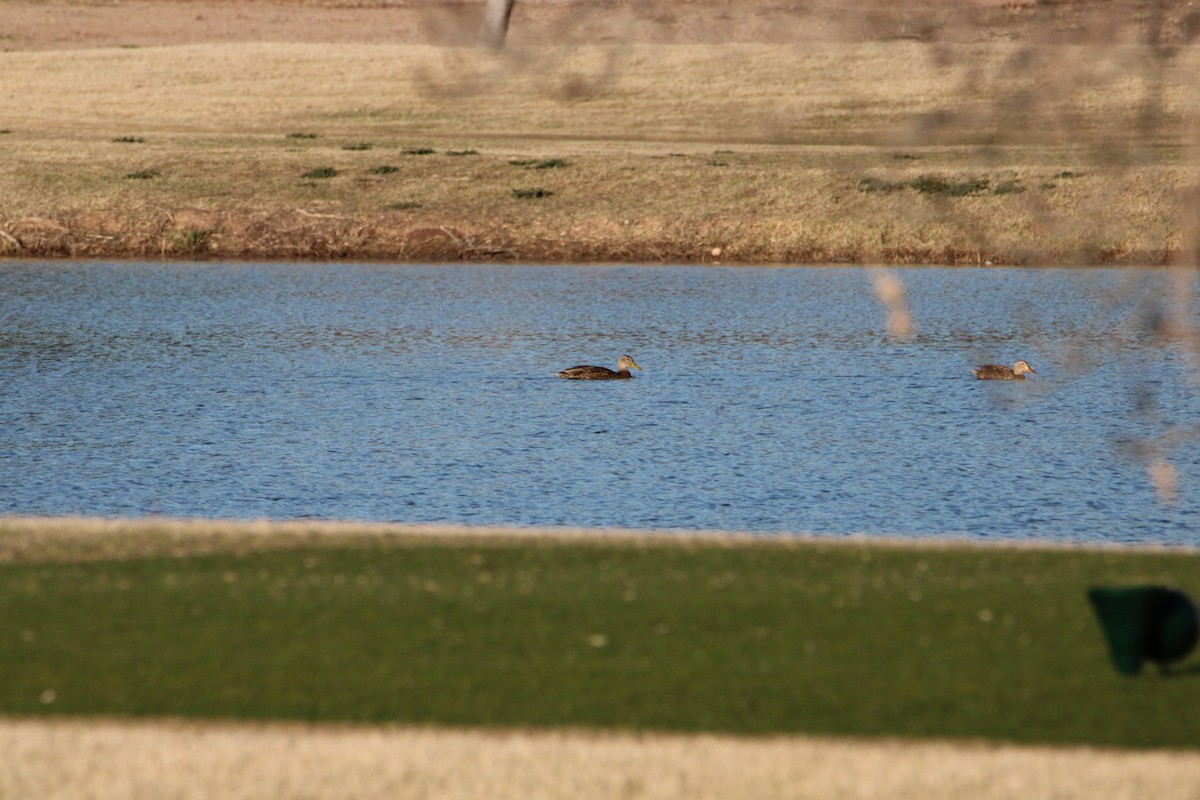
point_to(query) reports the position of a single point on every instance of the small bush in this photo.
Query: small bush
(405, 206)
(932, 184)
(418, 151)
(526, 194)
(304, 136)
(549, 163)
(129, 139)
(192, 241)
(320, 172)
(462, 152)
(385, 169)
(358, 146)
(143, 175)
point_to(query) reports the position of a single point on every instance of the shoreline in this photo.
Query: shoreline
(26, 538)
(749, 135)
(431, 246)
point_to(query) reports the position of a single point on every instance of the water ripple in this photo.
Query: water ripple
(771, 399)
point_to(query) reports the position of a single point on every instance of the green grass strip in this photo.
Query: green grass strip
(870, 640)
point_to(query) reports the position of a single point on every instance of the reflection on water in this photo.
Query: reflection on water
(771, 399)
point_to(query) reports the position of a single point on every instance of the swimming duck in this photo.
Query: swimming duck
(999, 372)
(585, 373)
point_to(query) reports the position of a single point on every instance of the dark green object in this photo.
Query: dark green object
(1145, 622)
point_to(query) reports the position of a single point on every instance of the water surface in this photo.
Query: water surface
(772, 400)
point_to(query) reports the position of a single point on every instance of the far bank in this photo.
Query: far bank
(841, 152)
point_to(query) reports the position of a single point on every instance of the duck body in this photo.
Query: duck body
(587, 373)
(999, 372)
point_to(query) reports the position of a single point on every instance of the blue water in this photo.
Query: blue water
(771, 400)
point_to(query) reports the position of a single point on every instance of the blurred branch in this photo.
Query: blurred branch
(495, 23)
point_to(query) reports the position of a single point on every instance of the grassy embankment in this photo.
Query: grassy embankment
(734, 636)
(880, 152)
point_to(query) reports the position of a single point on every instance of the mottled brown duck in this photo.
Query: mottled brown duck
(999, 372)
(585, 373)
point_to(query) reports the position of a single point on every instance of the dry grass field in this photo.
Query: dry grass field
(1014, 133)
(116, 760)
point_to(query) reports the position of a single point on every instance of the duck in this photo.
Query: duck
(999, 372)
(585, 373)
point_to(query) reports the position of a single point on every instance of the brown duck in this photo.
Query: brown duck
(585, 373)
(999, 372)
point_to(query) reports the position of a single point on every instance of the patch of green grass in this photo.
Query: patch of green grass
(418, 151)
(527, 194)
(404, 206)
(320, 172)
(385, 169)
(358, 146)
(143, 175)
(193, 241)
(819, 638)
(129, 139)
(1009, 187)
(462, 152)
(546, 163)
(934, 184)
(300, 135)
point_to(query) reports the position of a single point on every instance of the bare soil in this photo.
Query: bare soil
(68, 24)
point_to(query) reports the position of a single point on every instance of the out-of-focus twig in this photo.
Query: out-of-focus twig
(889, 288)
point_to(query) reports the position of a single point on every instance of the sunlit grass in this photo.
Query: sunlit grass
(772, 637)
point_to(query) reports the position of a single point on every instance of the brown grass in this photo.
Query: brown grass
(112, 760)
(754, 148)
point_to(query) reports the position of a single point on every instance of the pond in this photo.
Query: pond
(770, 400)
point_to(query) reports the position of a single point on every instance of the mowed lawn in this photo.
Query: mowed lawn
(691, 634)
